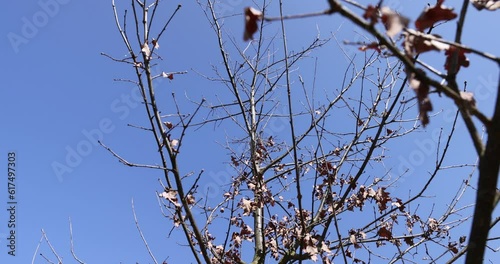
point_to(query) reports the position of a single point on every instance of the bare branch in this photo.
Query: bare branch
(59, 260)
(125, 162)
(141, 234)
(72, 248)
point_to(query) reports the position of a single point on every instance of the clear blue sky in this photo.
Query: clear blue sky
(58, 96)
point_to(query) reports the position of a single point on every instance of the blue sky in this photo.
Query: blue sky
(58, 96)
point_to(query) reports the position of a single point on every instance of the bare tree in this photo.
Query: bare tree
(317, 186)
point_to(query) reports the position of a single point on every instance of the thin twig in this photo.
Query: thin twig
(59, 260)
(122, 160)
(72, 248)
(269, 19)
(141, 234)
(36, 250)
(455, 44)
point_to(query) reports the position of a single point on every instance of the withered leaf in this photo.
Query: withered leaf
(373, 45)
(167, 75)
(409, 241)
(235, 161)
(270, 141)
(422, 91)
(486, 4)
(155, 44)
(434, 14)
(433, 224)
(357, 260)
(190, 199)
(171, 195)
(252, 15)
(383, 232)
(462, 60)
(245, 231)
(360, 122)
(352, 239)
(324, 247)
(177, 221)
(371, 13)
(348, 253)
(236, 239)
(399, 204)
(326, 167)
(416, 42)
(336, 151)
(169, 125)
(312, 251)
(453, 247)
(247, 205)
(468, 97)
(393, 22)
(382, 198)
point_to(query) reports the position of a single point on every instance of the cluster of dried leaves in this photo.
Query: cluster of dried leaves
(393, 22)
(415, 41)
(285, 234)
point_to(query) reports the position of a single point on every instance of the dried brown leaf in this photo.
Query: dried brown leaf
(486, 4)
(167, 75)
(235, 161)
(393, 22)
(418, 43)
(409, 241)
(171, 195)
(325, 168)
(372, 14)
(169, 125)
(382, 198)
(433, 224)
(252, 15)
(155, 44)
(373, 45)
(422, 91)
(312, 251)
(462, 60)
(434, 14)
(453, 247)
(190, 199)
(383, 232)
(248, 206)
